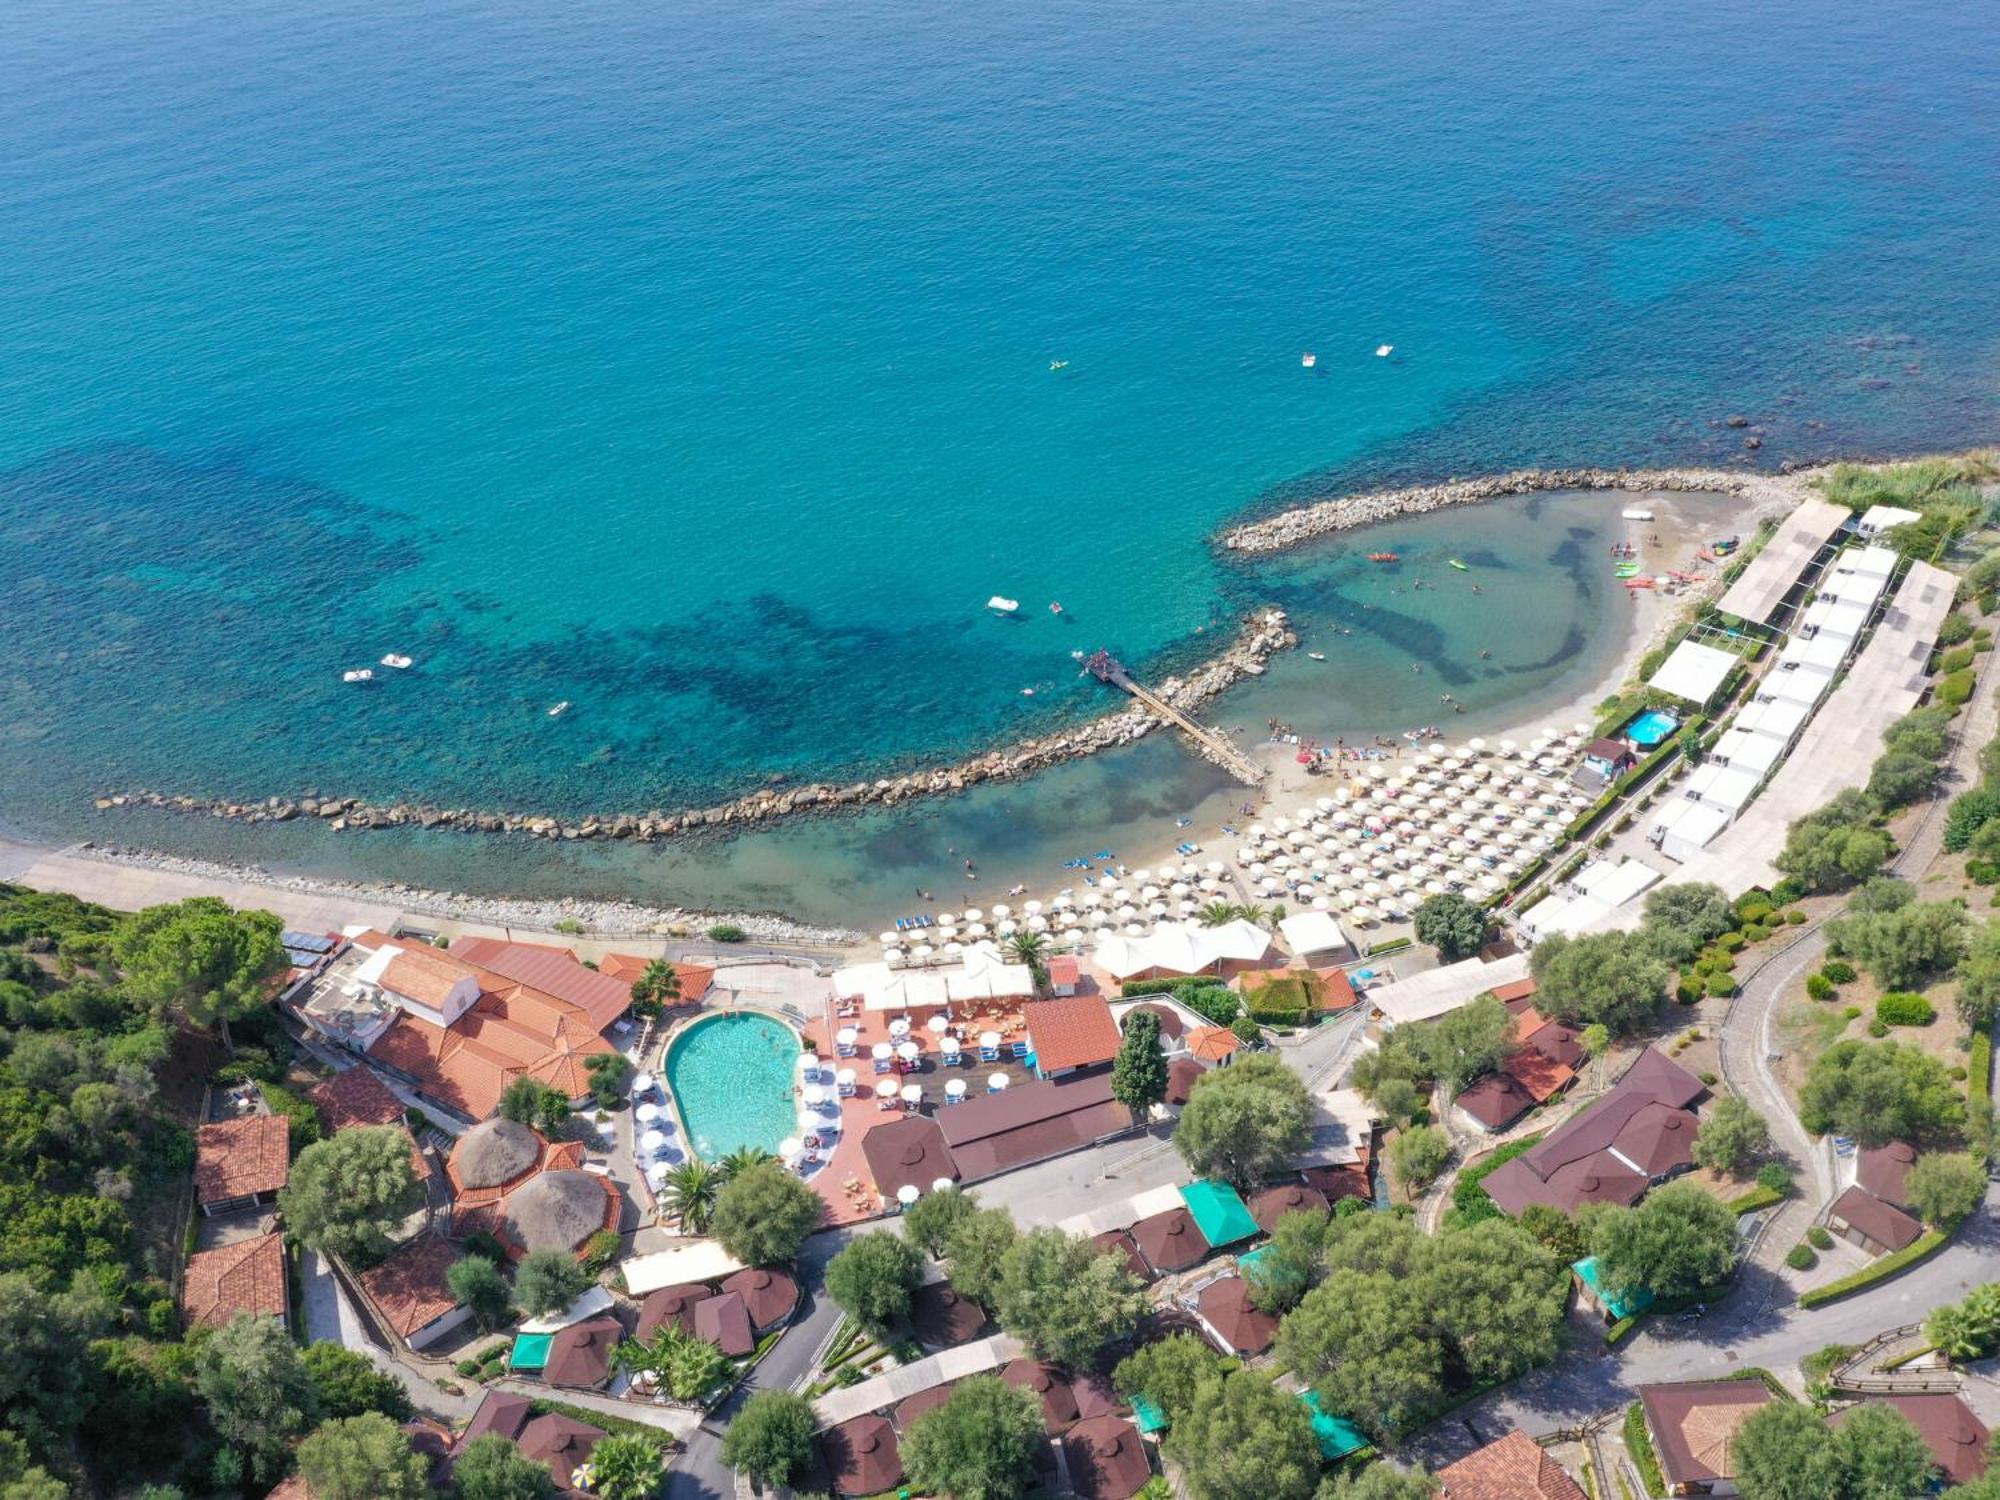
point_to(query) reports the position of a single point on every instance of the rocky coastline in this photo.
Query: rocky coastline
(596, 919)
(1263, 635)
(1290, 528)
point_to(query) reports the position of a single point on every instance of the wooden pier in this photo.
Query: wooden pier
(1216, 747)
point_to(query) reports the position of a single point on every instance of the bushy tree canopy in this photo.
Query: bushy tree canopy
(1785, 1451)
(770, 1439)
(929, 1221)
(1613, 979)
(764, 1215)
(1837, 844)
(1944, 1188)
(258, 1391)
(1065, 1298)
(363, 1458)
(1453, 925)
(975, 1250)
(348, 1192)
(349, 1384)
(980, 1445)
(1243, 1122)
(1678, 1241)
(490, 1467)
(1170, 1372)
(1139, 1071)
(1680, 920)
(873, 1278)
(1242, 1438)
(1877, 1092)
(1903, 947)
(547, 1281)
(200, 958)
(1733, 1139)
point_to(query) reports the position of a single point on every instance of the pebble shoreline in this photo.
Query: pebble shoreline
(1343, 513)
(1264, 635)
(601, 919)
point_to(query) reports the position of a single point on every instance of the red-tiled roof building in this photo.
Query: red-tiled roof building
(246, 1277)
(1073, 1032)
(410, 1292)
(241, 1163)
(1514, 1468)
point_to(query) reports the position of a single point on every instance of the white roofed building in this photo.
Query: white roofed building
(1313, 932)
(1182, 948)
(1694, 672)
(1878, 519)
(1744, 751)
(1437, 992)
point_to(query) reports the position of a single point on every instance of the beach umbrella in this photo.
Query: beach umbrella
(1141, 876)
(913, 1095)
(1476, 746)
(947, 919)
(1216, 867)
(653, 1141)
(909, 1051)
(1038, 923)
(907, 1194)
(888, 939)
(1002, 909)
(921, 952)
(885, 1088)
(1134, 929)
(1062, 898)
(953, 949)
(996, 1082)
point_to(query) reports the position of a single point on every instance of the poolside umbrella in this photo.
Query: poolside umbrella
(908, 1051)
(790, 1147)
(938, 1024)
(900, 1026)
(843, 1081)
(642, 1083)
(653, 1141)
(881, 1052)
(996, 1082)
(913, 1095)
(990, 1040)
(814, 1095)
(647, 1113)
(808, 1123)
(885, 1089)
(847, 1036)
(907, 1194)
(948, 1046)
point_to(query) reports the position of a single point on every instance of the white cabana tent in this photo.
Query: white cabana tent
(1745, 751)
(1312, 932)
(984, 975)
(1722, 786)
(1780, 721)
(879, 988)
(1426, 996)
(1823, 653)
(1694, 672)
(704, 1260)
(1182, 948)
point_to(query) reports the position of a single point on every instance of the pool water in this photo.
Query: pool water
(732, 1078)
(1650, 728)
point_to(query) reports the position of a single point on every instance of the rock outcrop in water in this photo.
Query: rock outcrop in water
(1264, 635)
(1344, 513)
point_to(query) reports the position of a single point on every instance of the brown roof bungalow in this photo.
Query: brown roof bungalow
(725, 1322)
(1170, 1241)
(1863, 1219)
(580, 1355)
(1957, 1439)
(1227, 1310)
(941, 1317)
(909, 1152)
(562, 1443)
(769, 1296)
(1268, 1205)
(861, 1456)
(1050, 1386)
(1639, 1133)
(246, 1277)
(670, 1304)
(1515, 1468)
(1107, 1460)
(1885, 1171)
(1694, 1424)
(241, 1163)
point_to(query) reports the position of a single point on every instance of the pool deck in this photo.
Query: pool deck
(844, 1180)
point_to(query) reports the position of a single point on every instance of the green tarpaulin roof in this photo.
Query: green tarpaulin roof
(1618, 1307)
(1151, 1418)
(531, 1351)
(1218, 1212)
(1337, 1436)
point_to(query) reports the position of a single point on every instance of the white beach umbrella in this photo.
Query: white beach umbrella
(790, 1147)
(886, 1088)
(907, 1194)
(1002, 909)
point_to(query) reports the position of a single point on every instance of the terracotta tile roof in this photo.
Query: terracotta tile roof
(1212, 1043)
(1107, 1460)
(1519, 989)
(1170, 1241)
(553, 971)
(1694, 1425)
(355, 1097)
(626, 967)
(425, 974)
(725, 1322)
(1064, 970)
(409, 1286)
(1515, 1468)
(1268, 1205)
(1336, 990)
(469, 1064)
(1957, 1439)
(246, 1277)
(1540, 1076)
(769, 1296)
(236, 1158)
(1073, 1032)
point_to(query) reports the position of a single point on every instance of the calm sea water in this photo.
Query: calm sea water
(692, 364)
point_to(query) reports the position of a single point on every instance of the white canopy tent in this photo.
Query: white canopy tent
(1182, 948)
(1312, 932)
(1744, 751)
(1426, 996)
(1694, 672)
(704, 1260)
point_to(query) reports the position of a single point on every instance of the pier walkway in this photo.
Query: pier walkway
(1216, 746)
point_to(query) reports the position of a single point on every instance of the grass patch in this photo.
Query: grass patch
(1469, 1201)
(1640, 1445)
(1928, 1245)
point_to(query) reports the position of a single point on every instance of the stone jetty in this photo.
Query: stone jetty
(1263, 635)
(1343, 513)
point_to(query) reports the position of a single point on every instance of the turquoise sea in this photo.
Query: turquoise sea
(692, 364)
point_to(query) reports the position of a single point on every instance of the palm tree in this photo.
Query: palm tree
(690, 1192)
(655, 989)
(1030, 948)
(1218, 914)
(741, 1160)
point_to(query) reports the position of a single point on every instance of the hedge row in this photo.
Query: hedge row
(1756, 1198)
(1926, 1246)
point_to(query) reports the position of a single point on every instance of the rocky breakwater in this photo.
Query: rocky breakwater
(1343, 513)
(1263, 635)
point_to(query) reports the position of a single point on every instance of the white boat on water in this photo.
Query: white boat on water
(1316, 655)
(1001, 606)
(1638, 515)
(1383, 351)
(1308, 360)
(559, 709)
(358, 674)
(396, 660)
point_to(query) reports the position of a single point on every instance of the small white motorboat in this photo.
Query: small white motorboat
(398, 661)
(1383, 351)
(1315, 656)
(358, 674)
(1308, 359)
(559, 709)
(1001, 606)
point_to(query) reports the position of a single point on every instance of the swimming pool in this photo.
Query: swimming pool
(1650, 728)
(732, 1078)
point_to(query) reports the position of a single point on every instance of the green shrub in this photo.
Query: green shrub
(301, 1114)
(1795, 918)
(1755, 911)
(1755, 932)
(1820, 987)
(1956, 661)
(1819, 1238)
(568, 926)
(727, 932)
(1730, 942)
(1722, 963)
(1982, 871)
(1902, 1008)
(1722, 986)
(1956, 628)
(1775, 1176)
(1878, 1028)
(1955, 689)
(1839, 970)
(1788, 890)
(1800, 1257)
(1687, 992)
(1639, 1443)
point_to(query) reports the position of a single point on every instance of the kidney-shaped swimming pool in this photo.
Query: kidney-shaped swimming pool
(732, 1077)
